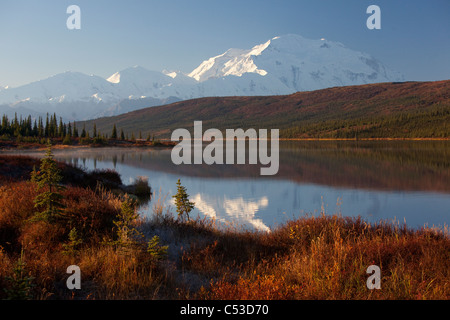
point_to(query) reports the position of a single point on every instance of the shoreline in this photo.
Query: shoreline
(365, 139)
(9, 146)
(167, 143)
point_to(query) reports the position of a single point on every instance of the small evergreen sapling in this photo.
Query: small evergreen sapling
(48, 179)
(20, 285)
(155, 249)
(71, 248)
(184, 206)
(127, 236)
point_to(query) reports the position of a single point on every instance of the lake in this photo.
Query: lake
(377, 180)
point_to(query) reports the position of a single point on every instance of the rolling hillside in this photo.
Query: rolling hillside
(385, 110)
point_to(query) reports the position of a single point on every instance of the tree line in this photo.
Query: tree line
(39, 130)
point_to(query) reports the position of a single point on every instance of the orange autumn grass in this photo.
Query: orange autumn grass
(326, 257)
(322, 257)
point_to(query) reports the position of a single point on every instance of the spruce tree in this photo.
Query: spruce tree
(69, 130)
(114, 132)
(61, 128)
(67, 139)
(40, 128)
(35, 131)
(75, 130)
(48, 180)
(47, 127)
(184, 206)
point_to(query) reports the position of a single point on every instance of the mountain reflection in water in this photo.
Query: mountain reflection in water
(378, 180)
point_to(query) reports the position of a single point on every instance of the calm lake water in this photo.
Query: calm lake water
(405, 181)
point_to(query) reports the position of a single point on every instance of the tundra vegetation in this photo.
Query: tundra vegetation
(57, 215)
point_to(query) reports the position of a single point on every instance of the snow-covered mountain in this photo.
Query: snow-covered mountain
(137, 82)
(281, 65)
(300, 64)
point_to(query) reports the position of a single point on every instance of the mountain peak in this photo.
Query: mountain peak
(136, 68)
(233, 62)
(237, 62)
(115, 78)
(300, 64)
(131, 73)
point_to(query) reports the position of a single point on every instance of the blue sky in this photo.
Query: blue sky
(179, 34)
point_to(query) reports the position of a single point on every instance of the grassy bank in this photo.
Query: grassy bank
(125, 256)
(13, 143)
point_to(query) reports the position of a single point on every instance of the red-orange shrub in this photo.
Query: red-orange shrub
(16, 207)
(41, 236)
(90, 213)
